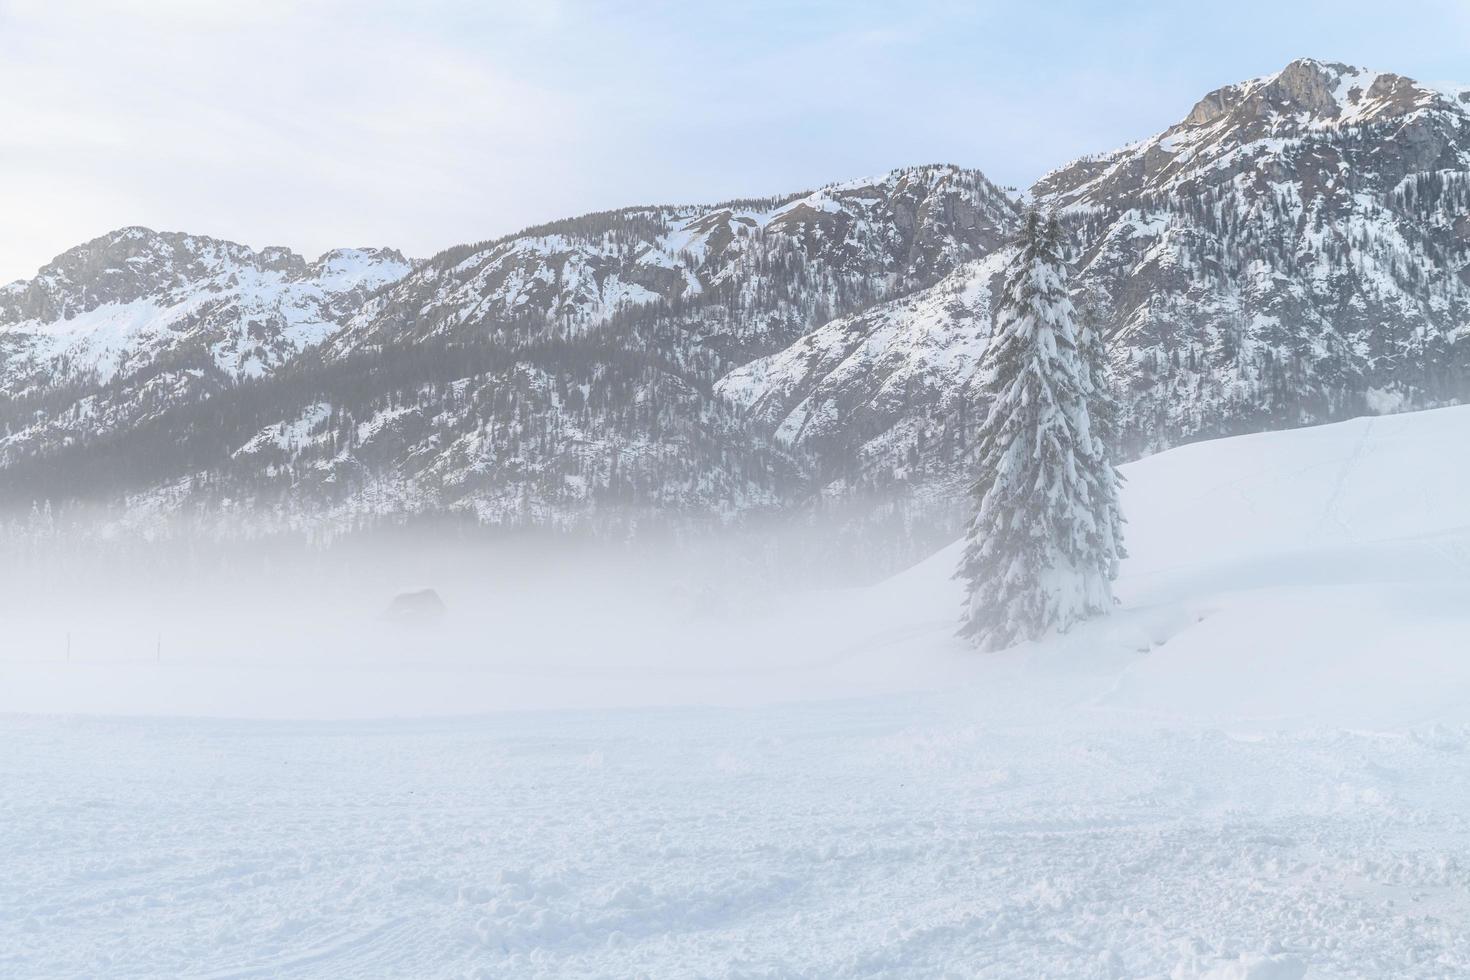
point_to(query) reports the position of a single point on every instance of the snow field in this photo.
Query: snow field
(1257, 768)
(899, 837)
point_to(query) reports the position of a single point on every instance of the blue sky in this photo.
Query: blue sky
(316, 124)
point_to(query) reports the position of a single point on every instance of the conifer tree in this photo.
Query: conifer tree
(1102, 412)
(1041, 551)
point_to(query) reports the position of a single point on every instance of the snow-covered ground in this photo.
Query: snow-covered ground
(1258, 768)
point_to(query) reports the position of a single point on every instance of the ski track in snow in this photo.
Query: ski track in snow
(1257, 769)
(1330, 511)
(867, 838)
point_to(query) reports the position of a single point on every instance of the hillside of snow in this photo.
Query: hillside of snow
(1256, 768)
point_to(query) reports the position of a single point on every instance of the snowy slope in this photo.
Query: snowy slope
(853, 391)
(1313, 576)
(1256, 769)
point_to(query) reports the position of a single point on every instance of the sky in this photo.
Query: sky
(319, 124)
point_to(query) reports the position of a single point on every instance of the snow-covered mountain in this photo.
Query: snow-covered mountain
(1294, 250)
(562, 374)
(136, 323)
(571, 372)
(746, 276)
(882, 402)
(1297, 249)
(116, 305)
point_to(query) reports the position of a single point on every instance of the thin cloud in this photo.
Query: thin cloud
(327, 123)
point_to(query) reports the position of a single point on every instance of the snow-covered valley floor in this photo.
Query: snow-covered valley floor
(1259, 767)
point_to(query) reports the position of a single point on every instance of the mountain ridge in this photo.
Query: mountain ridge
(1296, 248)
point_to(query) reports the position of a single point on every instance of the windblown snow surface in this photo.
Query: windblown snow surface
(1259, 767)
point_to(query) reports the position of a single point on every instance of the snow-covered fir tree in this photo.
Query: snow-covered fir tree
(1042, 548)
(1102, 413)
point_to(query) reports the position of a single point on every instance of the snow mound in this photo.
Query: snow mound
(1315, 576)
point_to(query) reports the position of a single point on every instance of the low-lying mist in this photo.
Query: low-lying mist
(179, 624)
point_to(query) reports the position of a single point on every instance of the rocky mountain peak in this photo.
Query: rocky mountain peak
(1295, 125)
(345, 269)
(129, 264)
(1314, 94)
(1304, 85)
(1315, 88)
